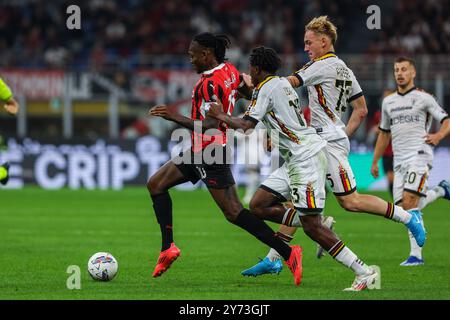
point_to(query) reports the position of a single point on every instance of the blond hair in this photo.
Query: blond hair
(323, 25)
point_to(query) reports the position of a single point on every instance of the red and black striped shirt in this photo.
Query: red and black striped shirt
(221, 82)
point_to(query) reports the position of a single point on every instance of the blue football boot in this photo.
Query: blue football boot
(412, 261)
(264, 266)
(444, 184)
(415, 225)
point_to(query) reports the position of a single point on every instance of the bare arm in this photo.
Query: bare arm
(166, 113)
(216, 112)
(11, 106)
(435, 138)
(358, 115)
(294, 81)
(381, 145)
(247, 88)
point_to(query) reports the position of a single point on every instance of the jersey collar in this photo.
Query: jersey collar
(405, 93)
(329, 54)
(220, 66)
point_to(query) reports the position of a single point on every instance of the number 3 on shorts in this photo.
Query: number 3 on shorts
(295, 195)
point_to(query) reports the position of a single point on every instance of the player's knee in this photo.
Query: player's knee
(232, 211)
(230, 215)
(310, 227)
(154, 186)
(256, 208)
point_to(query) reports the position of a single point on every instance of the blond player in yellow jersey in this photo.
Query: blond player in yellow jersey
(12, 107)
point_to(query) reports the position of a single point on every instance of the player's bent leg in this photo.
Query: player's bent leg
(367, 277)
(442, 190)
(227, 200)
(356, 202)
(165, 178)
(266, 206)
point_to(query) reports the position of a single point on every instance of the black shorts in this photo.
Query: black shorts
(215, 176)
(388, 163)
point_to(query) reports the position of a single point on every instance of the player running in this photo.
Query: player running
(12, 107)
(406, 115)
(331, 86)
(218, 79)
(276, 104)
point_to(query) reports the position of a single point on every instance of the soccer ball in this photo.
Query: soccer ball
(102, 266)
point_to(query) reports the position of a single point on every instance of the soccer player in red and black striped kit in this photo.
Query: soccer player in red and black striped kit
(219, 80)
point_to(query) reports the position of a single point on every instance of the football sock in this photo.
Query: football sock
(3, 173)
(262, 232)
(273, 254)
(397, 213)
(162, 204)
(416, 251)
(344, 255)
(432, 195)
(291, 218)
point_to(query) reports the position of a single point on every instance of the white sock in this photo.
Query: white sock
(432, 195)
(340, 252)
(274, 255)
(401, 215)
(416, 251)
(291, 218)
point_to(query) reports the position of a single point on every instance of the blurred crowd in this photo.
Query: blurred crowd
(416, 27)
(126, 33)
(129, 33)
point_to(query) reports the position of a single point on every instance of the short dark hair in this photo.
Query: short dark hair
(218, 42)
(266, 59)
(406, 59)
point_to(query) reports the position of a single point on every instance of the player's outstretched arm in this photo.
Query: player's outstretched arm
(381, 145)
(246, 88)
(6, 96)
(167, 113)
(359, 113)
(435, 138)
(216, 111)
(11, 106)
(294, 81)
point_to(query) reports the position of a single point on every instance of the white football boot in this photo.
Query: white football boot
(369, 281)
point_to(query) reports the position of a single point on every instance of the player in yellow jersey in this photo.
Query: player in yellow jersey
(12, 107)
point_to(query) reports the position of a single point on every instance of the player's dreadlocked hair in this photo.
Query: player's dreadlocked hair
(218, 42)
(266, 59)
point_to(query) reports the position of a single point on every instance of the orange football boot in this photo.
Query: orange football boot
(165, 259)
(295, 263)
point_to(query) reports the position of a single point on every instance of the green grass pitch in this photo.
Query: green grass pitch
(44, 232)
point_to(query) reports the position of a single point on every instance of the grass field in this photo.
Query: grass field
(43, 232)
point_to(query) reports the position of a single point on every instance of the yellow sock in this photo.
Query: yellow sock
(3, 173)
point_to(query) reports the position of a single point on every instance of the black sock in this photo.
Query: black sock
(262, 232)
(162, 204)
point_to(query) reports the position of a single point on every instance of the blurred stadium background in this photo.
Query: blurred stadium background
(85, 93)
